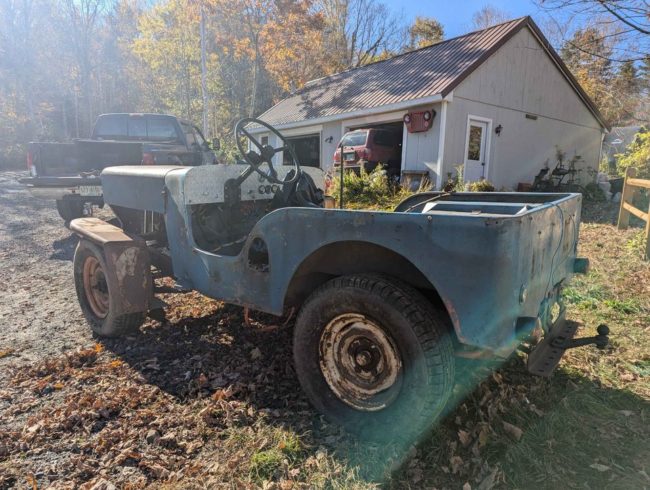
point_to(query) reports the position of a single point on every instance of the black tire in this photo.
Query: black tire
(70, 209)
(404, 410)
(100, 314)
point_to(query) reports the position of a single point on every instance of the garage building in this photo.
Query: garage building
(501, 100)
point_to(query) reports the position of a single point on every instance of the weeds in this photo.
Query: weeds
(372, 190)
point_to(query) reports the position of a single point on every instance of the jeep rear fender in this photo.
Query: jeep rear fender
(355, 257)
(127, 260)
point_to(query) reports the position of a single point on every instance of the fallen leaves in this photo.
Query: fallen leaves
(256, 353)
(465, 438)
(513, 431)
(456, 463)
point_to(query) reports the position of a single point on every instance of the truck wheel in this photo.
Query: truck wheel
(70, 209)
(373, 355)
(94, 294)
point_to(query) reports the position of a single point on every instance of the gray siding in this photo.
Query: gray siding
(521, 78)
(333, 130)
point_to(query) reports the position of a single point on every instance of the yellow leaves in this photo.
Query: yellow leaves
(98, 348)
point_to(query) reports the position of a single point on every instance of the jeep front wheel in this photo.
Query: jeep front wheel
(373, 355)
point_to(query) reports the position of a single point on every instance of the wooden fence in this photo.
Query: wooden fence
(630, 189)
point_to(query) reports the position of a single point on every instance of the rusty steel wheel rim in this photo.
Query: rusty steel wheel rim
(360, 362)
(95, 287)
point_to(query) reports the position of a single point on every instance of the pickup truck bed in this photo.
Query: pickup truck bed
(69, 172)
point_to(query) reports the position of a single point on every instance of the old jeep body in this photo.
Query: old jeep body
(493, 259)
(385, 300)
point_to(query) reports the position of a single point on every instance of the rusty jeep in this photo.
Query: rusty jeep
(386, 301)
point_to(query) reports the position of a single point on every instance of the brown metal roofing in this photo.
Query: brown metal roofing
(430, 71)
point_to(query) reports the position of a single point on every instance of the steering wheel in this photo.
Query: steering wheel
(266, 152)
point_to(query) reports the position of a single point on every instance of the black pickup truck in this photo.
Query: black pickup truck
(69, 172)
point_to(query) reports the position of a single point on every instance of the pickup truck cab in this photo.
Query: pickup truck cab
(69, 172)
(385, 300)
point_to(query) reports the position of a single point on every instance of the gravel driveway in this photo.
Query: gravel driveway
(39, 313)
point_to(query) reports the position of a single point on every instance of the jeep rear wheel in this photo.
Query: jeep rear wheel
(372, 354)
(97, 302)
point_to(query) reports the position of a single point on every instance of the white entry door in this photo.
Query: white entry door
(476, 150)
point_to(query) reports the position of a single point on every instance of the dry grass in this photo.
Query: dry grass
(205, 402)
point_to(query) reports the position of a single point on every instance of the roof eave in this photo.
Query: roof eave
(406, 104)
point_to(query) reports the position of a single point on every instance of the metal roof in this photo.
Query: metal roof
(425, 73)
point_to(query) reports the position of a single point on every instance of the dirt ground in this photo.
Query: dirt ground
(37, 314)
(205, 401)
(138, 411)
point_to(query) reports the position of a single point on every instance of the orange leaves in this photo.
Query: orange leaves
(116, 363)
(257, 30)
(222, 394)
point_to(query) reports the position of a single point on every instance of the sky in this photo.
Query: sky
(456, 15)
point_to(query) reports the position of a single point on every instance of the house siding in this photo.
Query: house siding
(330, 130)
(421, 149)
(519, 79)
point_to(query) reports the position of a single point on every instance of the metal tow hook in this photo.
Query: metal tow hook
(601, 340)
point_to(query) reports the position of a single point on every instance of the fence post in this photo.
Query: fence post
(647, 233)
(627, 196)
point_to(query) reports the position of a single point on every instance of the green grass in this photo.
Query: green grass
(267, 463)
(587, 438)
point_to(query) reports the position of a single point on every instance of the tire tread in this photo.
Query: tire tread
(430, 326)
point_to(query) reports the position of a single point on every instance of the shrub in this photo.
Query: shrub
(364, 187)
(481, 186)
(636, 155)
(594, 193)
(456, 182)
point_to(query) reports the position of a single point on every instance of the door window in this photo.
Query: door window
(198, 136)
(475, 142)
